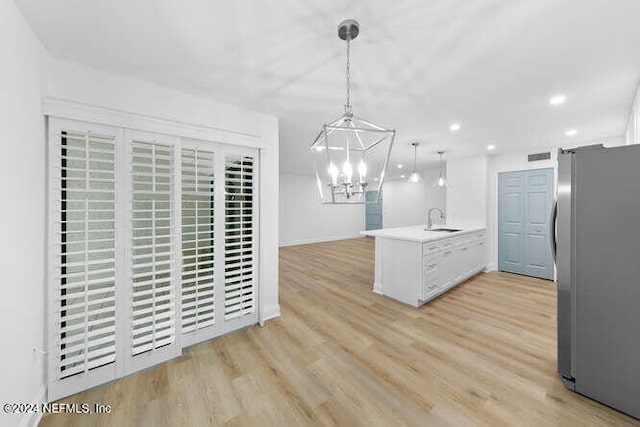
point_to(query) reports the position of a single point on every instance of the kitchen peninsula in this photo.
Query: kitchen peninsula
(415, 265)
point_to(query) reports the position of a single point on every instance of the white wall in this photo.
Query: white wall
(22, 219)
(405, 203)
(467, 191)
(304, 219)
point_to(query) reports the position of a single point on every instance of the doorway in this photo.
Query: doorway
(525, 199)
(373, 211)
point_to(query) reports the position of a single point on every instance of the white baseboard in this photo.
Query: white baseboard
(491, 267)
(33, 419)
(271, 312)
(320, 240)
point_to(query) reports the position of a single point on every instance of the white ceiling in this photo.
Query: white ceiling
(418, 65)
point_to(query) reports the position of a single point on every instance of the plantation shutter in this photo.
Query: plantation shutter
(152, 246)
(153, 293)
(240, 256)
(82, 294)
(198, 241)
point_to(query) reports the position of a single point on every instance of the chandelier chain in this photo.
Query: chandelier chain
(347, 106)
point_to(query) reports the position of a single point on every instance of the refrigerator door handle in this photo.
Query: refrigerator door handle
(552, 230)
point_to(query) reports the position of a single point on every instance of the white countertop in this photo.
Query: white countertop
(418, 233)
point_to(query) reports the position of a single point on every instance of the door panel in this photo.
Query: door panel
(513, 251)
(538, 201)
(525, 199)
(510, 222)
(373, 211)
(537, 250)
(537, 206)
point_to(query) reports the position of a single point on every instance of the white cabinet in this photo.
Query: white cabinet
(416, 271)
(464, 261)
(431, 275)
(479, 255)
(450, 261)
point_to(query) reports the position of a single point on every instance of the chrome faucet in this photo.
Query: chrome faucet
(429, 221)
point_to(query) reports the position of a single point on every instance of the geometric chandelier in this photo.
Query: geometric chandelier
(351, 154)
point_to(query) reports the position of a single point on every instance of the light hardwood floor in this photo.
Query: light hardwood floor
(483, 354)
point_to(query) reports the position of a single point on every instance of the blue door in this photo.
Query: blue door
(373, 212)
(525, 200)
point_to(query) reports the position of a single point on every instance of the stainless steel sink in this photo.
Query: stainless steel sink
(444, 230)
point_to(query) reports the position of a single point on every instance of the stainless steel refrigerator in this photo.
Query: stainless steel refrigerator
(596, 245)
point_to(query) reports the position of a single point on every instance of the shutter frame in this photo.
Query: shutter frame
(105, 306)
(240, 231)
(136, 360)
(197, 159)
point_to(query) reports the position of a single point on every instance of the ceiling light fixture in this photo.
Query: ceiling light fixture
(491, 147)
(400, 166)
(557, 99)
(454, 127)
(415, 176)
(571, 132)
(442, 180)
(321, 147)
(367, 147)
(402, 176)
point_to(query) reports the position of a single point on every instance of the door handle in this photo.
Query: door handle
(552, 230)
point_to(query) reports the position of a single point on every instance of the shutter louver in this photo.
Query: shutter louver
(239, 289)
(153, 307)
(197, 239)
(86, 303)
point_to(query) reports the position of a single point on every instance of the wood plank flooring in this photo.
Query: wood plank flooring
(482, 354)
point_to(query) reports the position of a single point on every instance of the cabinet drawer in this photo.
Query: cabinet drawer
(449, 243)
(430, 267)
(465, 239)
(429, 292)
(430, 276)
(459, 240)
(431, 248)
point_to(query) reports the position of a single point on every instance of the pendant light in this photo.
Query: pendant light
(442, 180)
(351, 154)
(415, 176)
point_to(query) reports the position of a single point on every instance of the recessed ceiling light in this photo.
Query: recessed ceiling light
(557, 99)
(376, 179)
(402, 176)
(491, 147)
(321, 148)
(571, 132)
(454, 127)
(400, 166)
